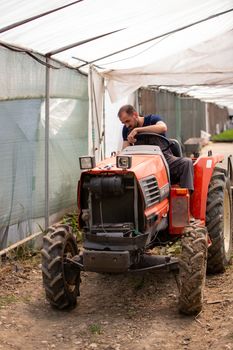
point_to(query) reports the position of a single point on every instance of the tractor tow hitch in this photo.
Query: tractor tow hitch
(152, 262)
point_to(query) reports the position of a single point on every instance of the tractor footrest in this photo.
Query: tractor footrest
(106, 261)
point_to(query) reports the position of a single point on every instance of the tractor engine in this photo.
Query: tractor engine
(119, 217)
(123, 205)
(111, 205)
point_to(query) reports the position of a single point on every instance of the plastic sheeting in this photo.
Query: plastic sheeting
(23, 77)
(179, 39)
(104, 125)
(173, 53)
(138, 21)
(209, 63)
(22, 195)
(221, 95)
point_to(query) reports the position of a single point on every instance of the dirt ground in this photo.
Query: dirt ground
(121, 312)
(113, 312)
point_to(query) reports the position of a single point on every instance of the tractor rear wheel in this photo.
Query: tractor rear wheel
(219, 221)
(60, 281)
(192, 272)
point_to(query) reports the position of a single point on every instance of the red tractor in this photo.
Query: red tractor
(127, 206)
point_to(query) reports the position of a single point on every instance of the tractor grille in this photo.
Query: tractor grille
(150, 190)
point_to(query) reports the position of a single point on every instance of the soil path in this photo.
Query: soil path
(113, 312)
(123, 312)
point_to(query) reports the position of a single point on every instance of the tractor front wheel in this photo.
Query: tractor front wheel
(61, 281)
(192, 272)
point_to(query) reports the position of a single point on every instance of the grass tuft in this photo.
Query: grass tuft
(95, 328)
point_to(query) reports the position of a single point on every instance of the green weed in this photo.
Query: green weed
(71, 219)
(95, 328)
(139, 283)
(7, 299)
(22, 252)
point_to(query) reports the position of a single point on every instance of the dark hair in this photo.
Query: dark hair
(129, 109)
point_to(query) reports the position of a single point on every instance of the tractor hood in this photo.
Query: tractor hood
(146, 161)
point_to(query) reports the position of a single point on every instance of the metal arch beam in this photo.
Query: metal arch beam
(79, 43)
(24, 21)
(80, 59)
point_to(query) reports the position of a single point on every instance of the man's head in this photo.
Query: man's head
(128, 116)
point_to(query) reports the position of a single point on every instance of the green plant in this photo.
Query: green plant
(174, 249)
(95, 328)
(23, 252)
(139, 282)
(71, 219)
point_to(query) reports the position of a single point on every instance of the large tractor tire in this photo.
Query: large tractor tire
(219, 222)
(60, 280)
(192, 271)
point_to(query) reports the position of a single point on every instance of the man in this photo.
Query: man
(181, 169)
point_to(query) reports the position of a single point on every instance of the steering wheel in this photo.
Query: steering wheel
(152, 138)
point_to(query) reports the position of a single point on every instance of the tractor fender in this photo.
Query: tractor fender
(203, 170)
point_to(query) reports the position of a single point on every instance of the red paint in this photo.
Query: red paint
(203, 170)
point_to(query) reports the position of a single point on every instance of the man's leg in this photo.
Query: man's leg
(181, 171)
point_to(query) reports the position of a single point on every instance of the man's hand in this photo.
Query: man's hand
(131, 137)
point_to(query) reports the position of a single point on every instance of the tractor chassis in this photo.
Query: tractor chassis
(105, 261)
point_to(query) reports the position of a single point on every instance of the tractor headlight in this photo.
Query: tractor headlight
(124, 162)
(87, 162)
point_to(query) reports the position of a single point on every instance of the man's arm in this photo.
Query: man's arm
(160, 127)
(125, 144)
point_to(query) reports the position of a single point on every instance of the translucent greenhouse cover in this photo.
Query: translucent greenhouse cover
(131, 43)
(184, 46)
(22, 143)
(22, 195)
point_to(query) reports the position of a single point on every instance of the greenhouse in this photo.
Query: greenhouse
(67, 66)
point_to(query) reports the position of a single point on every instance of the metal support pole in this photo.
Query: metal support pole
(207, 126)
(178, 118)
(92, 112)
(136, 205)
(104, 124)
(47, 93)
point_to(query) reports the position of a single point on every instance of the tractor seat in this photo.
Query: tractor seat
(176, 148)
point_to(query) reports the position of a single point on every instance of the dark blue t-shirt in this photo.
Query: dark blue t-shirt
(151, 119)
